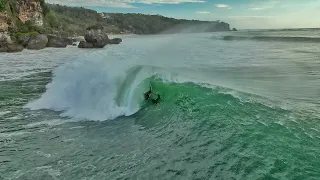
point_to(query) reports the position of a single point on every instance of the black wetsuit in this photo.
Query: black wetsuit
(147, 95)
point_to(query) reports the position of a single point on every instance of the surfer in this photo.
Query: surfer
(148, 94)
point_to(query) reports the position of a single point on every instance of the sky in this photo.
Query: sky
(241, 14)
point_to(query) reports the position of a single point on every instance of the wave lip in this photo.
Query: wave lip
(82, 90)
(93, 90)
(273, 38)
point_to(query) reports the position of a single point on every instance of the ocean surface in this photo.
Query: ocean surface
(235, 106)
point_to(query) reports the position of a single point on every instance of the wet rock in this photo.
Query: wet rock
(68, 40)
(57, 42)
(37, 42)
(97, 37)
(24, 40)
(10, 48)
(6, 44)
(115, 41)
(84, 44)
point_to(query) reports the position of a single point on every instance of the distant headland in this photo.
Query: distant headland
(34, 21)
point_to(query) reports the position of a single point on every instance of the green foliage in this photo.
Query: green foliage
(2, 5)
(28, 26)
(74, 19)
(19, 35)
(96, 26)
(45, 7)
(52, 19)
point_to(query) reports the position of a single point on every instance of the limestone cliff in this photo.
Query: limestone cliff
(4, 22)
(30, 10)
(17, 12)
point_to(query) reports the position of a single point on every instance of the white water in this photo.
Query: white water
(85, 89)
(105, 84)
(100, 84)
(165, 142)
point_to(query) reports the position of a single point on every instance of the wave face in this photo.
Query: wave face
(102, 86)
(229, 110)
(93, 92)
(273, 38)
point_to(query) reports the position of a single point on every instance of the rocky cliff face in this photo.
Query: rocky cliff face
(4, 22)
(20, 10)
(30, 10)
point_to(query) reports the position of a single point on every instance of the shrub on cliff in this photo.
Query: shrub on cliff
(2, 5)
(28, 26)
(44, 7)
(20, 35)
(95, 27)
(52, 19)
(22, 38)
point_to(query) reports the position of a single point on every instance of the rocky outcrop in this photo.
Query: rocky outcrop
(57, 42)
(68, 40)
(24, 40)
(37, 42)
(84, 44)
(97, 37)
(10, 48)
(30, 10)
(5, 38)
(78, 39)
(5, 22)
(19, 12)
(6, 44)
(234, 29)
(115, 41)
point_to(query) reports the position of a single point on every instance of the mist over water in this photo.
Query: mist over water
(240, 109)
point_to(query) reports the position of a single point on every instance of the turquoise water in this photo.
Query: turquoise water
(244, 108)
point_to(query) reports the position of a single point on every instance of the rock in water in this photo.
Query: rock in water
(115, 41)
(10, 48)
(78, 39)
(68, 40)
(6, 44)
(97, 37)
(84, 44)
(5, 38)
(37, 42)
(24, 40)
(99, 44)
(57, 42)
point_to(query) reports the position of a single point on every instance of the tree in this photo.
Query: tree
(52, 19)
(2, 5)
(44, 7)
(95, 27)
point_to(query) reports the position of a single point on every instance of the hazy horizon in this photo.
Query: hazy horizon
(241, 14)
